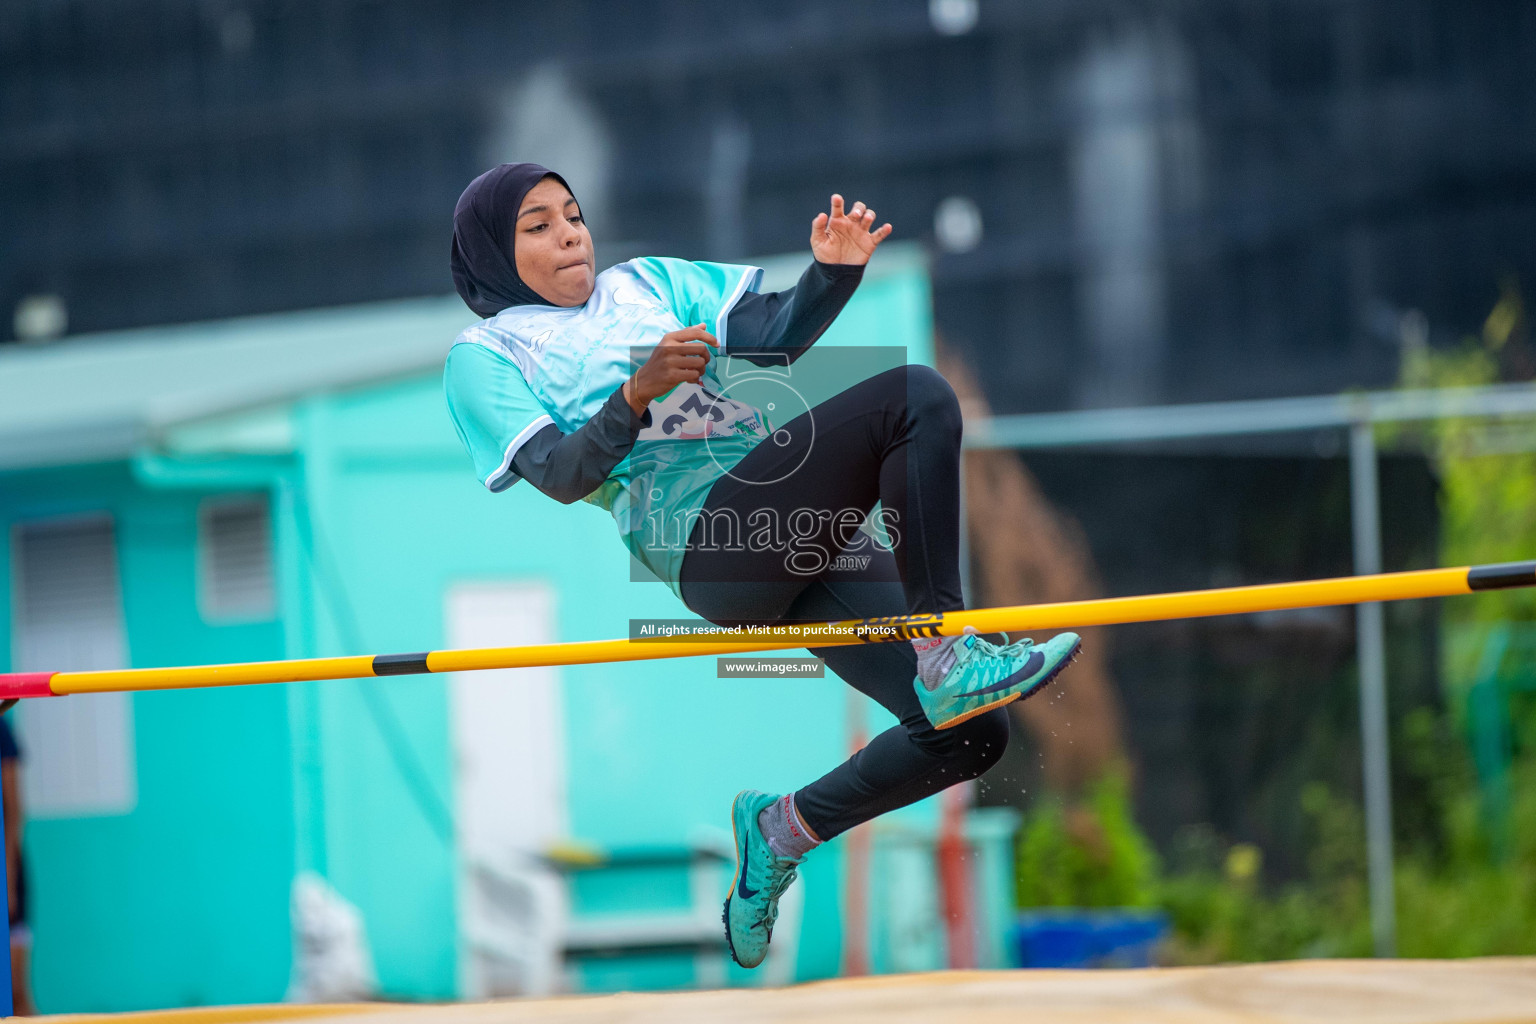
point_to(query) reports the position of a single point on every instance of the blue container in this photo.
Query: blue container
(1087, 938)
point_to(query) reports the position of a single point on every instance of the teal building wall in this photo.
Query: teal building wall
(183, 901)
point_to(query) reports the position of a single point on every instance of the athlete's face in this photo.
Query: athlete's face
(553, 248)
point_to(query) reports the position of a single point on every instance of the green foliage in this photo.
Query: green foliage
(1453, 899)
(1458, 901)
(1487, 467)
(1221, 911)
(1455, 896)
(1466, 901)
(1087, 856)
(1094, 856)
(1461, 890)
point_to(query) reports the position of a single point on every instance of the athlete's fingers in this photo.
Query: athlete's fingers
(689, 350)
(857, 211)
(869, 219)
(700, 345)
(678, 365)
(684, 374)
(694, 357)
(695, 333)
(882, 234)
(819, 225)
(837, 205)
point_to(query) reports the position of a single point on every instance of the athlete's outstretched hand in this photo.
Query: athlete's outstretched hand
(845, 237)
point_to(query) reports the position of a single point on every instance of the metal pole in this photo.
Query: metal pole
(1365, 509)
(965, 539)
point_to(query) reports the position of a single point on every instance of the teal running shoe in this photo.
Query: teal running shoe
(985, 676)
(761, 878)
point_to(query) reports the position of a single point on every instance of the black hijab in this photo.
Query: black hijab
(484, 226)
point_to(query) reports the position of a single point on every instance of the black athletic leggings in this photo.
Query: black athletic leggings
(895, 438)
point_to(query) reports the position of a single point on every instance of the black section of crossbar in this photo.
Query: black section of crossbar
(1505, 574)
(400, 664)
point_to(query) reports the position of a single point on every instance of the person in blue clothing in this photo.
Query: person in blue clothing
(607, 388)
(15, 873)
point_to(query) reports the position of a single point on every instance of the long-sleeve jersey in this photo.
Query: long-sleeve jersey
(536, 391)
(568, 467)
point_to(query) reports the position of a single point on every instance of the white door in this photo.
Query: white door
(509, 792)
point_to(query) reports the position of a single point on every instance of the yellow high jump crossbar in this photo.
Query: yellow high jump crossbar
(1393, 586)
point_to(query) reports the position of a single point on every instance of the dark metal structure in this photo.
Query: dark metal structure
(1153, 201)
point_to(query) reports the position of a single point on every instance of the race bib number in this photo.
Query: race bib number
(690, 412)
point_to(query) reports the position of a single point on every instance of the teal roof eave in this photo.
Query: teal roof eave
(104, 397)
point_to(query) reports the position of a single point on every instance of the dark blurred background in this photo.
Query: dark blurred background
(1128, 202)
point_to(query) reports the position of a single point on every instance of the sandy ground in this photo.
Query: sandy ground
(1364, 991)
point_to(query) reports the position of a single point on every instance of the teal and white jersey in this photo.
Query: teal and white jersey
(528, 367)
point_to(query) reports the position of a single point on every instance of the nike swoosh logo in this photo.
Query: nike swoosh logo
(741, 885)
(1031, 666)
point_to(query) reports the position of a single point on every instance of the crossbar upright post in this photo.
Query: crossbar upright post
(1370, 641)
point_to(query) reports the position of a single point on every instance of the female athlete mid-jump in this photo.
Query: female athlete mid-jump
(723, 505)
